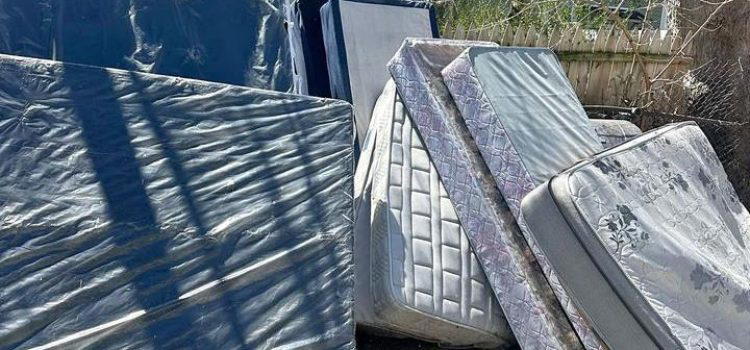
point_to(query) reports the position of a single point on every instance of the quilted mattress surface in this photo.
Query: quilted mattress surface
(360, 37)
(148, 212)
(664, 230)
(425, 280)
(522, 96)
(528, 125)
(529, 304)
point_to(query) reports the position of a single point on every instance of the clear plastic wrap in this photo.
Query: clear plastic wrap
(140, 211)
(242, 42)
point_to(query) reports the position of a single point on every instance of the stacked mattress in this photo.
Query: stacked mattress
(528, 125)
(534, 314)
(243, 42)
(151, 212)
(650, 240)
(592, 227)
(416, 272)
(408, 236)
(638, 247)
(360, 37)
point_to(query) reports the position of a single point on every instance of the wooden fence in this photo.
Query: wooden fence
(606, 66)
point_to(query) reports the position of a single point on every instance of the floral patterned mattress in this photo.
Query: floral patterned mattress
(650, 240)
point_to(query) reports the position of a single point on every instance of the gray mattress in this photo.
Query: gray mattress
(650, 239)
(614, 132)
(360, 37)
(416, 272)
(528, 302)
(148, 212)
(523, 96)
(528, 125)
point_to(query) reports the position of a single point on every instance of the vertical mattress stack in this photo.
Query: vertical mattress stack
(525, 132)
(641, 246)
(528, 301)
(417, 275)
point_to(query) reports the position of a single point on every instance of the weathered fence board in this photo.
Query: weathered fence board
(604, 66)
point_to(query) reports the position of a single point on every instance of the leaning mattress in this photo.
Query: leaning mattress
(528, 125)
(150, 212)
(533, 312)
(360, 37)
(651, 241)
(423, 279)
(242, 42)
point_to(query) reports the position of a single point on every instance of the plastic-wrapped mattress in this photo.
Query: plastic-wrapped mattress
(614, 132)
(650, 240)
(243, 42)
(529, 304)
(140, 211)
(306, 35)
(417, 274)
(528, 125)
(360, 37)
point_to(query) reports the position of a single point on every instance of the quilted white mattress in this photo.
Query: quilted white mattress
(424, 280)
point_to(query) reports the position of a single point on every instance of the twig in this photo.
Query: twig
(692, 36)
(615, 17)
